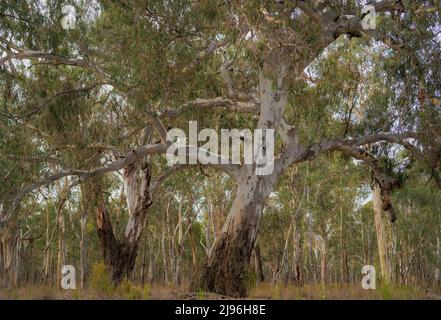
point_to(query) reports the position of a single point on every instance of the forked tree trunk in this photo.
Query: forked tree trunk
(120, 254)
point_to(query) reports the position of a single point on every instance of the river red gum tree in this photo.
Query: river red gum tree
(280, 64)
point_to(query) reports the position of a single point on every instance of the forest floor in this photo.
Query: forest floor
(263, 291)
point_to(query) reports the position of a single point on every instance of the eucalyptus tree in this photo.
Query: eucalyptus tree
(270, 62)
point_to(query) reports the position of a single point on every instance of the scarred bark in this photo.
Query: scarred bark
(120, 254)
(226, 269)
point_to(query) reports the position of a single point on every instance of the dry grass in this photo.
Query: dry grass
(264, 291)
(336, 292)
(125, 292)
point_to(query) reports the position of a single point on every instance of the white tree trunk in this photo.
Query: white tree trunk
(226, 269)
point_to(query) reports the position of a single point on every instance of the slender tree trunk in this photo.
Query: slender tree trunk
(297, 256)
(282, 273)
(180, 246)
(312, 259)
(61, 227)
(2, 261)
(438, 262)
(47, 249)
(16, 268)
(9, 249)
(324, 262)
(143, 265)
(193, 250)
(298, 249)
(61, 252)
(152, 267)
(153, 259)
(168, 244)
(342, 264)
(260, 277)
(208, 229)
(83, 247)
(164, 260)
(382, 240)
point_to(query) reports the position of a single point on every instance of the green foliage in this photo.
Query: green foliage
(201, 295)
(129, 291)
(102, 285)
(100, 280)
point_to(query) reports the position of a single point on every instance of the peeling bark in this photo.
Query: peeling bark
(226, 270)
